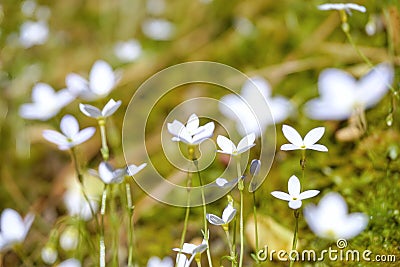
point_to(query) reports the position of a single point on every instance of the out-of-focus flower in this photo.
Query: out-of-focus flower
(49, 254)
(341, 94)
(69, 238)
(71, 136)
(33, 33)
(243, 26)
(96, 113)
(158, 29)
(28, 7)
(309, 141)
(340, 6)
(13, 229)
(192, 133)
(254, 109)
(128, 51)
(109, 175)
(330, 219)
(77, 205)
(155, 7)
(46, 103)
(192, 250)
(228, 147)
(70, 263)
(223, 183)
(181, 260)
(294, 197)
(102, 80)
(157, 262)
(227, 216)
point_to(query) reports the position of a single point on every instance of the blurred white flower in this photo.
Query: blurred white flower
(341, 94)
(181, 260)
(70, 263)
(33, 33)
(309, 141)
(192, 133)
(69, 238)
(223, 183)
(71, 136)
(128, 51)
(155, 7)
(243, 26)
(13, 229)
(96, 113)
(192, 250)
(102, 80)
(346, 7)
(158, 29)
(157, 262)
(227, 216)
(254, 109)
(77, 205)
(46, 103)
(49, 254)
(294, 197)
(28, 7)
(330, 219)
(132, 169)
(228, 147)
(109, 175)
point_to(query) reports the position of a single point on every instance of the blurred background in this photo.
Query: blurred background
(286, 42)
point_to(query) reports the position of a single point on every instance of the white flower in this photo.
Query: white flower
(102, 79)
(157, 262)
(13, 229)
(294, 197)
(223, 183)
(192, 250)
(69, 238)
(77, 205)
(96, 113)
(70, 263)
(132, 169)
(49, 255)
(346, 7)
(128, 51)
(33, 33)
(254, 109)
(341, 94)
(255, 166)
(109, 175)
(228, 147)
(192, 133)
(155, 7)
(181, 260)
(330, 219)
(46, 103)
(309, 141)
(158, 29)
(71, 136)
(227, 216)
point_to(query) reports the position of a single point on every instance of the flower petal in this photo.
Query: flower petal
(225, 144)
(90, 110)
(175, 127)
(42, 92)
(292, 135)
(192, 124)
(76, 84)
(206, 133)
(221, 182)
(295, 204)
(325, 109)
(55, 137)
(69, 126)
(313, 136)
(318, 147)
(12, 226)
(83, 135)
(246, 143)
(101, 78)
(354, 224)
(308, 194)
(106, 172)
(287, 147)
(228, 214)
(111, 107)
(294, 186)
(133, 169)
(215, 220)
(281, 195)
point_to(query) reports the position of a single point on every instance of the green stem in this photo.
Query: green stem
(114, 226)
(130, 224)
(241, 224)
(185, 224)
(104, 147)
(296, 229)
(102, 258)
(231, 248)
(255, 220)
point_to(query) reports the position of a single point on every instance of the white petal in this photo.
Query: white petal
(28, 220)
(55, 137)
(76, 84)
(101, 78)
(69, 126)
(12, 226)
(373, 86)
(106, 172)
(356, 7)
(324, 109)
(246, 142)
(111, 107)
(175, 127)
(133, 169)
(63, 98)
(334, 84)
(292, 135)
(206, 133)
(287, 147)
(313, 217)
(200, 249)
(295, 204)
(181, 260)
(90, 110)
(83, 135)
(281, 195)
(313, 136)
(256, 83)
(281, 108)
(215, 220)
(228, 214)
(318, 147)
(42, 93)
(158, 29)
(354, 224)
(225, 144)
(70, 263)
(192, 124)
(308, 194)
(294, 186)
(255, 166)
(334, 203)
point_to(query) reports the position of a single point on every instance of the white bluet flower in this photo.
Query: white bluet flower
(157, 262)
(77, 205)
(13, 228)
(309, 141)
(193, 250)
(341, 6)
(93, 112)
(158, 29)
(33, 33)
(228, 147)
(128, 51)
(227, 216)
(70, 263)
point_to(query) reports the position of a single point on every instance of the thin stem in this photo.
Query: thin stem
(114, 226)
(296, 229)
(231, 248)
(255, 219)
(104, 147)
(130, 224)
(241, 224)
(102, 258)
